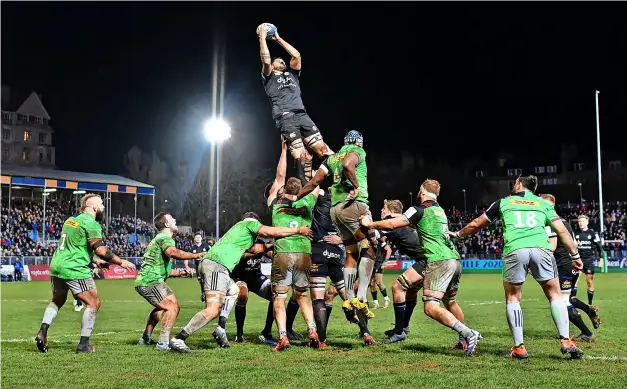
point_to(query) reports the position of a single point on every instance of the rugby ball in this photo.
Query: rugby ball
(271, 28)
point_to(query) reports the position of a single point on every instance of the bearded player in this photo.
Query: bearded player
(216, 266)
(349, 202)
(444, 268)
(568, 278)
(150, 282)
(526, 246)
(81, 238)
(282, 85)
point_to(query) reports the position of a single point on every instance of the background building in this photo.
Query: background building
(26, 132)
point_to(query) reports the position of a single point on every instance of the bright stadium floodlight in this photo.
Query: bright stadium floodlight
(217, 130)
(77, 192)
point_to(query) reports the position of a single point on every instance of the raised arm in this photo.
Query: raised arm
(313, 183)
(266, 61)
(295, 61)
(281, 172)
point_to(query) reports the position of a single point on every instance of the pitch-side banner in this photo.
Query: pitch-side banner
(118, 272)
(39, 272)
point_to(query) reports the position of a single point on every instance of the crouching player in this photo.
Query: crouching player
(150, 282)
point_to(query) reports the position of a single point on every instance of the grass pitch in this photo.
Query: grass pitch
(422, 361)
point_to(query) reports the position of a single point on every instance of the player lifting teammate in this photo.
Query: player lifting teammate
(150, 282)
(282, 85)
(349, 202)
(81, 238)
(526, 246)
(568, 278)
(443, 272)
(215, 269)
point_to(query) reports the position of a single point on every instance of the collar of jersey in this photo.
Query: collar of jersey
(431, 203)
(89, 215)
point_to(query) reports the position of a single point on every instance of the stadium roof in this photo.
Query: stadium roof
(49, 178)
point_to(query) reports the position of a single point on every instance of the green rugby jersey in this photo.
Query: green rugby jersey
(342, 185)
(229, 249)
(73, 255)
(156, 265)
(293, 215)
(524, 216)
(432, 225)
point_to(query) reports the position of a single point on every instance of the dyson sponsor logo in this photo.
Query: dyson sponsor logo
(329, 254)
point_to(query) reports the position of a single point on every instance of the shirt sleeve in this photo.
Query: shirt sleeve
(325, 166)
(494, 211)
(166, 243)
(414, 214)
(254, 226)
(93, 230)
(551, 216)
(308, 201)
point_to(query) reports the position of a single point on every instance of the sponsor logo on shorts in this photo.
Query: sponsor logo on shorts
(292, 134)
(329, 254)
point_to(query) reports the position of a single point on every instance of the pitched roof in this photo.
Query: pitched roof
(33, 106)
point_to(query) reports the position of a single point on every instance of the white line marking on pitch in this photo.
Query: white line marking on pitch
(606, 358)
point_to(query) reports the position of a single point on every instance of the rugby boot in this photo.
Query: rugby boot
(283, 344)
(518, 352)
(569, 347)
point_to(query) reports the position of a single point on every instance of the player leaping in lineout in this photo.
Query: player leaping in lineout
(282, 85)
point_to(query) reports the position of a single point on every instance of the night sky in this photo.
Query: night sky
(447, 80)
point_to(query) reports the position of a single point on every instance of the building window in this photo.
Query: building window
(551, 169)
(42, 137)
(26, 154)
(549, 181)
(6, 153)
(615, 165)
(22, 118)
(41, 154)
(49, 156)
(514, 172)
(6, 133)
(578, 167)
(6, 116)
(27, 136)
(480, 173)
(539, 169)
(36, 119)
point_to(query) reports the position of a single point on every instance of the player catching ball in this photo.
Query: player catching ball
(282, 86)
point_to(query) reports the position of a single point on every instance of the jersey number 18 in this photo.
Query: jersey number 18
(529, 219)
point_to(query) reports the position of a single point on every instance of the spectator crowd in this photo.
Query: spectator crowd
(25, 217)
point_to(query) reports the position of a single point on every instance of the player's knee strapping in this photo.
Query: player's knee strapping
(403, 282)
(449, 296)
(317, 284)
(296, 147)
(279, 294)
(312, 140)
(430, 299)
(299, 290)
